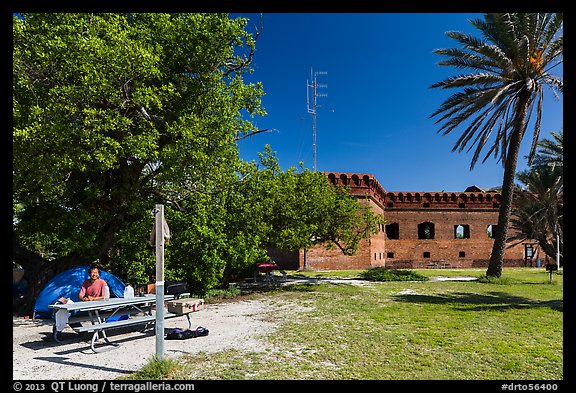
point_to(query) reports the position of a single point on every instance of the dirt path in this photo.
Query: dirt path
(234, 325)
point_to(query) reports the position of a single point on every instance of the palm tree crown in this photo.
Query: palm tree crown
(518, 54)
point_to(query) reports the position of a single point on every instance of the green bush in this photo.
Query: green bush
(386, 274)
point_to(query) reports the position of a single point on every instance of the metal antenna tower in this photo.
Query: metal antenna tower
(312, 90)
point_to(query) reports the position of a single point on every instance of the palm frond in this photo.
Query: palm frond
(485, 79)
(551, 29)
(469, 41)
(496, 55)
(458, 114)
(554, 51)
(462, 59)
(497, 114)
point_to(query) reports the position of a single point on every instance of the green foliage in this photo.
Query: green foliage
(386, 274)
(306, 209)
(115, 113)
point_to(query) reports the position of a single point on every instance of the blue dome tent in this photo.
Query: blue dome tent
(67, 284)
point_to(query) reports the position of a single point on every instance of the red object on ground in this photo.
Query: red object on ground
(267, 267)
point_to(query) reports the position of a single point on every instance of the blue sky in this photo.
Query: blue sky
(375, 117)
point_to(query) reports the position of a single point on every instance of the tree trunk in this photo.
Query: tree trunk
(499, 247)
(38, 271)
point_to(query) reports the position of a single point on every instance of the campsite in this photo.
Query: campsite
(171, 152)
(335, 325)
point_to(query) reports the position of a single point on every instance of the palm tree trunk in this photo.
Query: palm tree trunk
(499, 247)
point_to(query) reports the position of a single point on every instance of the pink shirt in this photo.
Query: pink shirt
(92, 289)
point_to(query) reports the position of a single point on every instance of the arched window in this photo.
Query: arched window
(356, 180)
(343, 179)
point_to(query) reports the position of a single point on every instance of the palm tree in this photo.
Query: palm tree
(510, 67)
(539, 208)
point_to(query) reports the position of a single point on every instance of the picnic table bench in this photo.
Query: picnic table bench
(139, 311)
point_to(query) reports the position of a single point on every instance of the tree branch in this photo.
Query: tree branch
(231, 66)
(240, 137)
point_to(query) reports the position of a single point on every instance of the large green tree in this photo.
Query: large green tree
(287, 210)
(509, 68)
(113, 111)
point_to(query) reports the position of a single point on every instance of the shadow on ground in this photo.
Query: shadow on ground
(498, 301)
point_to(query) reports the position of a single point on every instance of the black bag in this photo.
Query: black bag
(175, 287)
(181, 334)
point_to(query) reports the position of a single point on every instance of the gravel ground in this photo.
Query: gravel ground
(36, 356)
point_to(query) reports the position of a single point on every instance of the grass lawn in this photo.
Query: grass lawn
(398, 330)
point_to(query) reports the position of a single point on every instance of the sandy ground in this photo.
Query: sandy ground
(36, 356)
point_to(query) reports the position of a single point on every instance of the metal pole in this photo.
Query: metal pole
(558, 251)
(314, 140)
(312, 89)
(159, 281)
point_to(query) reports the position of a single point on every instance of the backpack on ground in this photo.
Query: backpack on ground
(183, 334)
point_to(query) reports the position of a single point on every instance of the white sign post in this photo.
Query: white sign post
(558, 251)
(159, 227)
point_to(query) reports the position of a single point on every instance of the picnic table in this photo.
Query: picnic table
(139, 310)
(440, 264)
(268, 269)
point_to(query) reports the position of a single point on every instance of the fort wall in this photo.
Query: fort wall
(423, 229)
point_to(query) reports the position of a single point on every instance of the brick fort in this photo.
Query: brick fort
(423, 229)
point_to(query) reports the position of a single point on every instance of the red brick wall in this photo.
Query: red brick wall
(444, 209)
